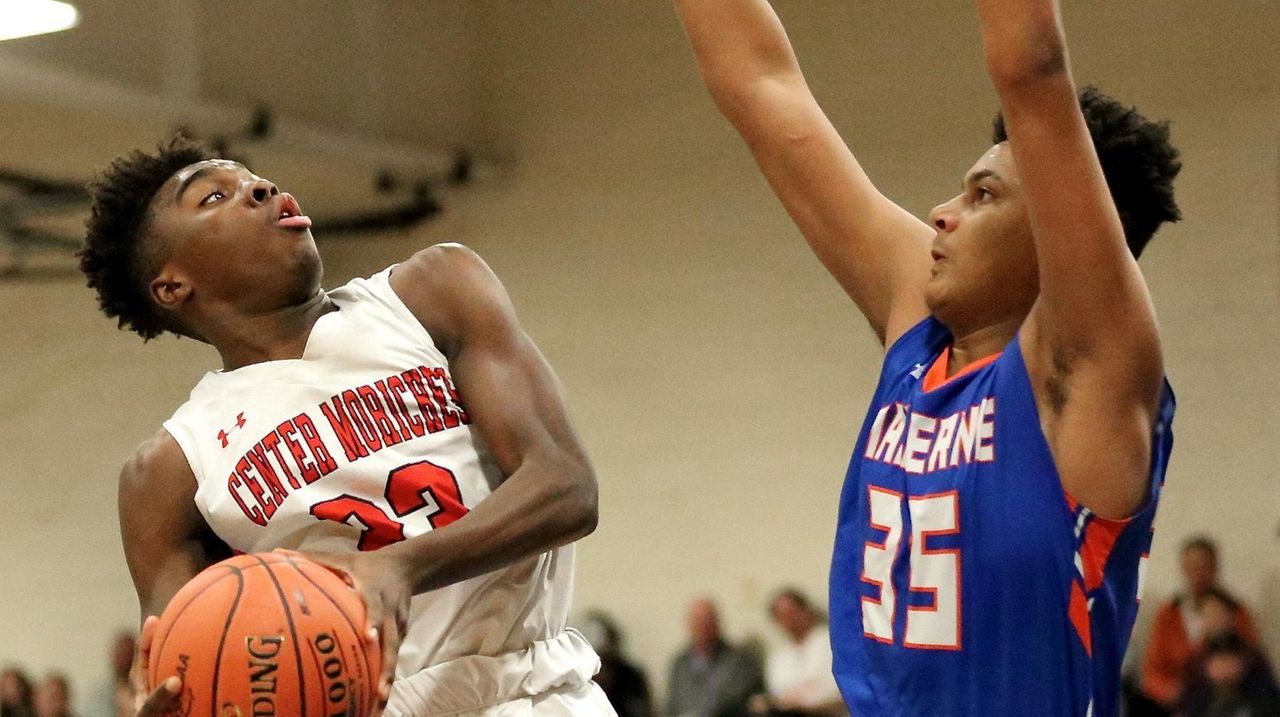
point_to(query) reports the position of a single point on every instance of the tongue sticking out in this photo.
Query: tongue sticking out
(297, 222)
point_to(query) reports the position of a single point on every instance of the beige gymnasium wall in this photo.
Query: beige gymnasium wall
(715, 372)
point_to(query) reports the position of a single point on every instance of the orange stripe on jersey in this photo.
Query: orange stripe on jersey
(1078, 612)
(1099, 538)
(937, 375)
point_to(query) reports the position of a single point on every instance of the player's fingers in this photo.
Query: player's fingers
(337, 563)
(145, 639)
(391, 635)
(142, 659)
(159, 700)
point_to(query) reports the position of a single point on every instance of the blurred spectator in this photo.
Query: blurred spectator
(711, 678)
(114, 697)
(623, 682)
(798, 672)
(1178, 632)
(17, 698)
(1230, 678)
(53, 698)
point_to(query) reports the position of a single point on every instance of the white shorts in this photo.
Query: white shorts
(549, 678)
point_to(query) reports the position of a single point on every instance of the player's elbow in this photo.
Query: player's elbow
(1044, 56)
(747, 101)
(576, 497)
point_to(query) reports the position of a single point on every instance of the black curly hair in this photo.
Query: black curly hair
(1137, 159)
(116, 259)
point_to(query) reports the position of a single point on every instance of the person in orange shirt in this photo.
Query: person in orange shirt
(1179, 630)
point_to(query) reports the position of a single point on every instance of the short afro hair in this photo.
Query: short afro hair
(113, 258)
(1137, 160)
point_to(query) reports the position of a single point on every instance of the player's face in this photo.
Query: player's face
(984, 268)
(235, 237)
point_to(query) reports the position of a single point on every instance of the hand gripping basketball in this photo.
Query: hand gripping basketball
(381, 581)
(158, 702)
(264, 635)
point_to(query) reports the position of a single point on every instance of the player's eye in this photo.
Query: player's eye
(209, 198)
(983, 194)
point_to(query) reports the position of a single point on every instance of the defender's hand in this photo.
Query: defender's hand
(383, 584)
(159, 701)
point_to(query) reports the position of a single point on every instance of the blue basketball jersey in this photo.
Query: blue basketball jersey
(965, 581)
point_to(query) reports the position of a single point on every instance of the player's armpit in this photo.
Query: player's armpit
(877, 251)
(549, 496)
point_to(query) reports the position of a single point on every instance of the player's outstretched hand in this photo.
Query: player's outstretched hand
(383, 584)
(158, 702)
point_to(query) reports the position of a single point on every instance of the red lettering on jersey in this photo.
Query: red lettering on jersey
(344, 428)
(273, 485)
(258, 459)
(309, 472)
(263, 500)
(443, 376)
(254, 513)
(271, 442)
(319, 452)
(438, 394)
(394, 407)
(420, 394)
(398, 389)
(368, 431)
(386, 429)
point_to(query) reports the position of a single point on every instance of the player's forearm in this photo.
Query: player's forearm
(1023, 40)
(546, 503)
(1089, 282)
(736, 43)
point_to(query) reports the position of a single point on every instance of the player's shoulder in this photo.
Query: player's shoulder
(158, 465)
(922, 342)
(452, 291)
(449, 263)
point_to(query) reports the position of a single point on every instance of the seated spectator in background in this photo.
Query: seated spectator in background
(797, 673)
(53, 697)
(711, 678)
(1230, 678)
(623, 682)
(1178, 632)
(17, 698)
(115, 695)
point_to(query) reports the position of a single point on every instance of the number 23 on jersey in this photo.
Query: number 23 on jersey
(410, 488)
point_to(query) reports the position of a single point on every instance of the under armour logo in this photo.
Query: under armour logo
(223, 435)
(918, 371)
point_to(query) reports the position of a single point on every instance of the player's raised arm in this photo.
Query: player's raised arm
(1090, 340)
(876, 250)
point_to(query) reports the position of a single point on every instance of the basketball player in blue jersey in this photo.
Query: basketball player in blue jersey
(473, 569)
(1001, 492)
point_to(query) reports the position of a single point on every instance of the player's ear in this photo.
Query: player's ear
(170, 288)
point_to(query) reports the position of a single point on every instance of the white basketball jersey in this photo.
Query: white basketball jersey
(360, 443)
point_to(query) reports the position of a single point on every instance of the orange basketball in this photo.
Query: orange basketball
(267, 634)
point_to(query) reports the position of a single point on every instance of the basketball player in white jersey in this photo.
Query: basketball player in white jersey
(403, 425)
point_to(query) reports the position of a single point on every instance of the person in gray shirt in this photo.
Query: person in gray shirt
(711, 678)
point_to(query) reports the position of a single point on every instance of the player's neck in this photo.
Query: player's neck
(979, 343)
(273, 336)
